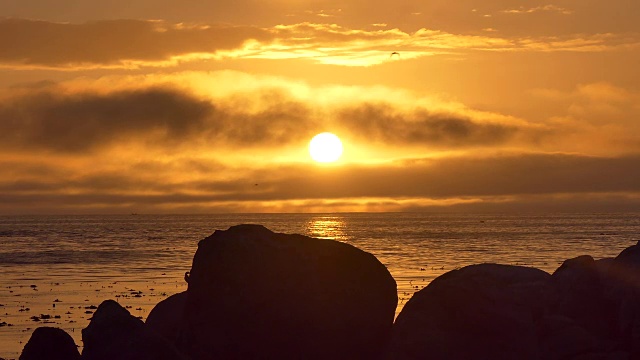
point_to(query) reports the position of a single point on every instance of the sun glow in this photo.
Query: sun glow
(325, 147)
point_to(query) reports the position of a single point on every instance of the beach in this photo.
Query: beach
(56, 270)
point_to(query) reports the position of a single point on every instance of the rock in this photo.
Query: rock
(625, 275)
(167, 317)
(617, 355)
(580, 285)
(630, 256)
(485, 311)
(603, 297)
(48, 343)
(562, 338)
(114, 333)
(256, 294)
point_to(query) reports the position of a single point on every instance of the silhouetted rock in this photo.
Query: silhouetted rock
(48, 343)
(586, 310)
(626, 291)
(580, 284)
(615, 355)
(167, 317)
(114, 334)
(255, 294)
(630, 255)
(485, 311)
(562, 338)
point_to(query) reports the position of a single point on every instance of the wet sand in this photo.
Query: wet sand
(69, 305)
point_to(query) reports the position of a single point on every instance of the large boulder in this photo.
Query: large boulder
(562, 338)
(580, 287)
(485, 311)
(114, 333)
(603, 297)
(625, 277)
(167, 317)
(48, 343)
(630, 256)
(256, 294)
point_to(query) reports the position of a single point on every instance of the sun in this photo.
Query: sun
(325, 147)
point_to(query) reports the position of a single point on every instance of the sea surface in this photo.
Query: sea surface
(54, 270)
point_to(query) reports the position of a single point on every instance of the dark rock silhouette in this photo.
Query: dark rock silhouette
(580, 287)
(587, 309)
(167, 317)
(114, 333)
(625, 274)
(630, 256)
(562, 338)
(485, 311)
(48, 343)
(256, 294)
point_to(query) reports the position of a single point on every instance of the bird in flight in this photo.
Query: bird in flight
(394, 53)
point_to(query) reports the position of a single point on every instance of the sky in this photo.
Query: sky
(167, 106)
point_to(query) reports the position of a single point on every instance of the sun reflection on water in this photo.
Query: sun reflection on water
(328, 227)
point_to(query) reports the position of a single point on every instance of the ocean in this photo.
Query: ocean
(54, 270)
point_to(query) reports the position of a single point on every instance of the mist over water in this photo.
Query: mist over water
(82, 260)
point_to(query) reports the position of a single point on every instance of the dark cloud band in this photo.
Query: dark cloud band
(161, 117)
(113, 42)
(532, 178)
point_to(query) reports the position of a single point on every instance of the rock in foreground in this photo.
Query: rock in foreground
(48, 343)
(114, 333)
(256, 294)
(485, 311)
(166, 318)
(587, 309)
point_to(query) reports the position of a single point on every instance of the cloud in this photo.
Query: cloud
(508, 179)
(195, 111)
(595, 117)
(383, 123)
(544, 8)
(614, 16)
(115, 42)
(74, 119)
(466, 176)
(81, 121)
(238, 142)
(155, 117)
(136, 43)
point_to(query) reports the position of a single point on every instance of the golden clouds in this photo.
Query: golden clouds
(597, 118)
(197, 112)
(138, 43)
(544, 8)
(76, 118)
(559, 180)
(486, 103)
(115, 43)
(194, 141)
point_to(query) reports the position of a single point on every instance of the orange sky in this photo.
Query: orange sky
(173, 107)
